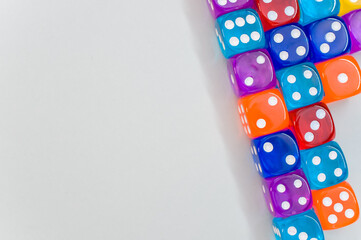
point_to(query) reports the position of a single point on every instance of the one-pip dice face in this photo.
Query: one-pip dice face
(288, 45)
(324, 166)
(313, 125)
(348, 6)
(329, 38)
(276, 154)
(221, 7)
(313, 10)
(288, 194)
(277, 12)
(251, 72)
(336, 206)
(301, 85)
(304, 226)
(353, 23)
(239, 31)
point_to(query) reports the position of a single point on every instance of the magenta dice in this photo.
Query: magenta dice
(251, 72)
(353, 23)
(221, 7)
(288, 194)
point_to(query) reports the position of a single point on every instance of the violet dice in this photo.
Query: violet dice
(288, 194)
(251, 72)
(221, 7)
(353, 23)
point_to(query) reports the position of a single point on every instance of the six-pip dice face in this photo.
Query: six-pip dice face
(353, 23)
(341, 78)
(239, 31)
(348, 6)
(324, 166)
(221, 7)
(313, 10)
(336, 206)
(288, 45)
(301, 85)
(275, 13)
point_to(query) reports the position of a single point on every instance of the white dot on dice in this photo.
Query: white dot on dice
(261, 60)
(281, 188)
(296, 96)
(272, 15)
(332, 155)
(327, 201)
(229, 24)
(338, 172)
(338, 207)
(307, 74)
(324, 48)
(315, 125)
(278, 38)
(321, 177)
(316, 160)
(268, 147)
(272, 101)
(344, 196)
(332, 219)
(244, 38)
(291, 79)
(309, 137)
(349, 213)
(290, 160)
(303, 236)
(301, 50)
(336, 26)
(250, 19)
(342, 78)
(240, 22)
(292, 231)
(297, 183)
(285, 205)
(289, 11)
(295, 33)
(284, 55)
(249, 81)
(261, 123)
(234, 41)
(320, 114)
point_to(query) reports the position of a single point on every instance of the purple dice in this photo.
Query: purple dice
(288, 194)
(353, 23)
(221, 7)
(251, 72)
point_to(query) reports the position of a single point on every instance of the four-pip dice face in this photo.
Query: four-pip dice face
(221, 7)
(313, 10)
(353, 23)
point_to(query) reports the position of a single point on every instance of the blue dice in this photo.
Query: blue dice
(276, 154)
(301, 85)
(329, 38)
(313, 10)
(240, 31)
(324, 166)
(288, 45)
(304, 226)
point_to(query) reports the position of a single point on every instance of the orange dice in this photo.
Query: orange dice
(263, 113)
(336, 206)
(340, 78)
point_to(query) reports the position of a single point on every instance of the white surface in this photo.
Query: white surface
(118, 122)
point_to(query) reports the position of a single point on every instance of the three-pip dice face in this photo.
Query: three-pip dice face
(288, 194)
(324, 166)
(239, 31)
(348, 6)
(288, 45)
(301, 85)
(336, 206)
(221, 7)
(313, 10)
(353, 23)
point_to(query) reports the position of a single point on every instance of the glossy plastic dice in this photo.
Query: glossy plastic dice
(336, 206)
(353, 23)
(221, 7)
(301, 85)
(348, 6)
(313, 10)
(251, 72)
(324, 166)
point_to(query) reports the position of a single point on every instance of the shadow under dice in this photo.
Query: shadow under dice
(312, 10)
(221, 7)
(353, 23)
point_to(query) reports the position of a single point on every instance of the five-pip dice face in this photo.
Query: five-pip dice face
(251, 72)
(288, 194)
(303, 226)
(336, 206)
(277, 12)
(341, 78)
(348, 6)
(353, 23)
(329, 38)
(263, 113)
(276, 154)
(301, 85)
(221, 7)
(239, 31)
(324, 166)
(313, 125)
(288, 45)
(313, 10)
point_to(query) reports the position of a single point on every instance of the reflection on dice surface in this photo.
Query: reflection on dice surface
(353, 23)
(313, 10)
(221, 7)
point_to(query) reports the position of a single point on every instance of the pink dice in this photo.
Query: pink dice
(221, 7)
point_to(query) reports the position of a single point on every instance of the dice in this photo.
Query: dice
(263, 113)
(313, 125)
(353, 23)
(302, 226)
(288, 194)
(275, 154)
(239, 31)
(329, 38)
(221, 7)
(251, 72)
(341, 78)
(324, 166)
(288, 45)
(336, 206)
(347, 6)
(301, 85)
(313, 10)
(277, 12)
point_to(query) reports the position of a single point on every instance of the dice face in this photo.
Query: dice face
(251, 72)
(263, 113)
(239, 31)
(277, 12)
(329, 38)
(341, 78)
(221, 7)
(312, 10)
(288, 194)
(348, 6)
(302, 226)
(301, 85)
(336, 206)
(353, 23)
(324, 166)
(276, 154)
(313, 125)
(288, 45)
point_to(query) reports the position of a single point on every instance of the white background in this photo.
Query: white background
(117, 121)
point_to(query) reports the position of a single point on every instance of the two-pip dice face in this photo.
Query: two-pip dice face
(221, 7)
(313, 10)
(353, 23)
(348, 6)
